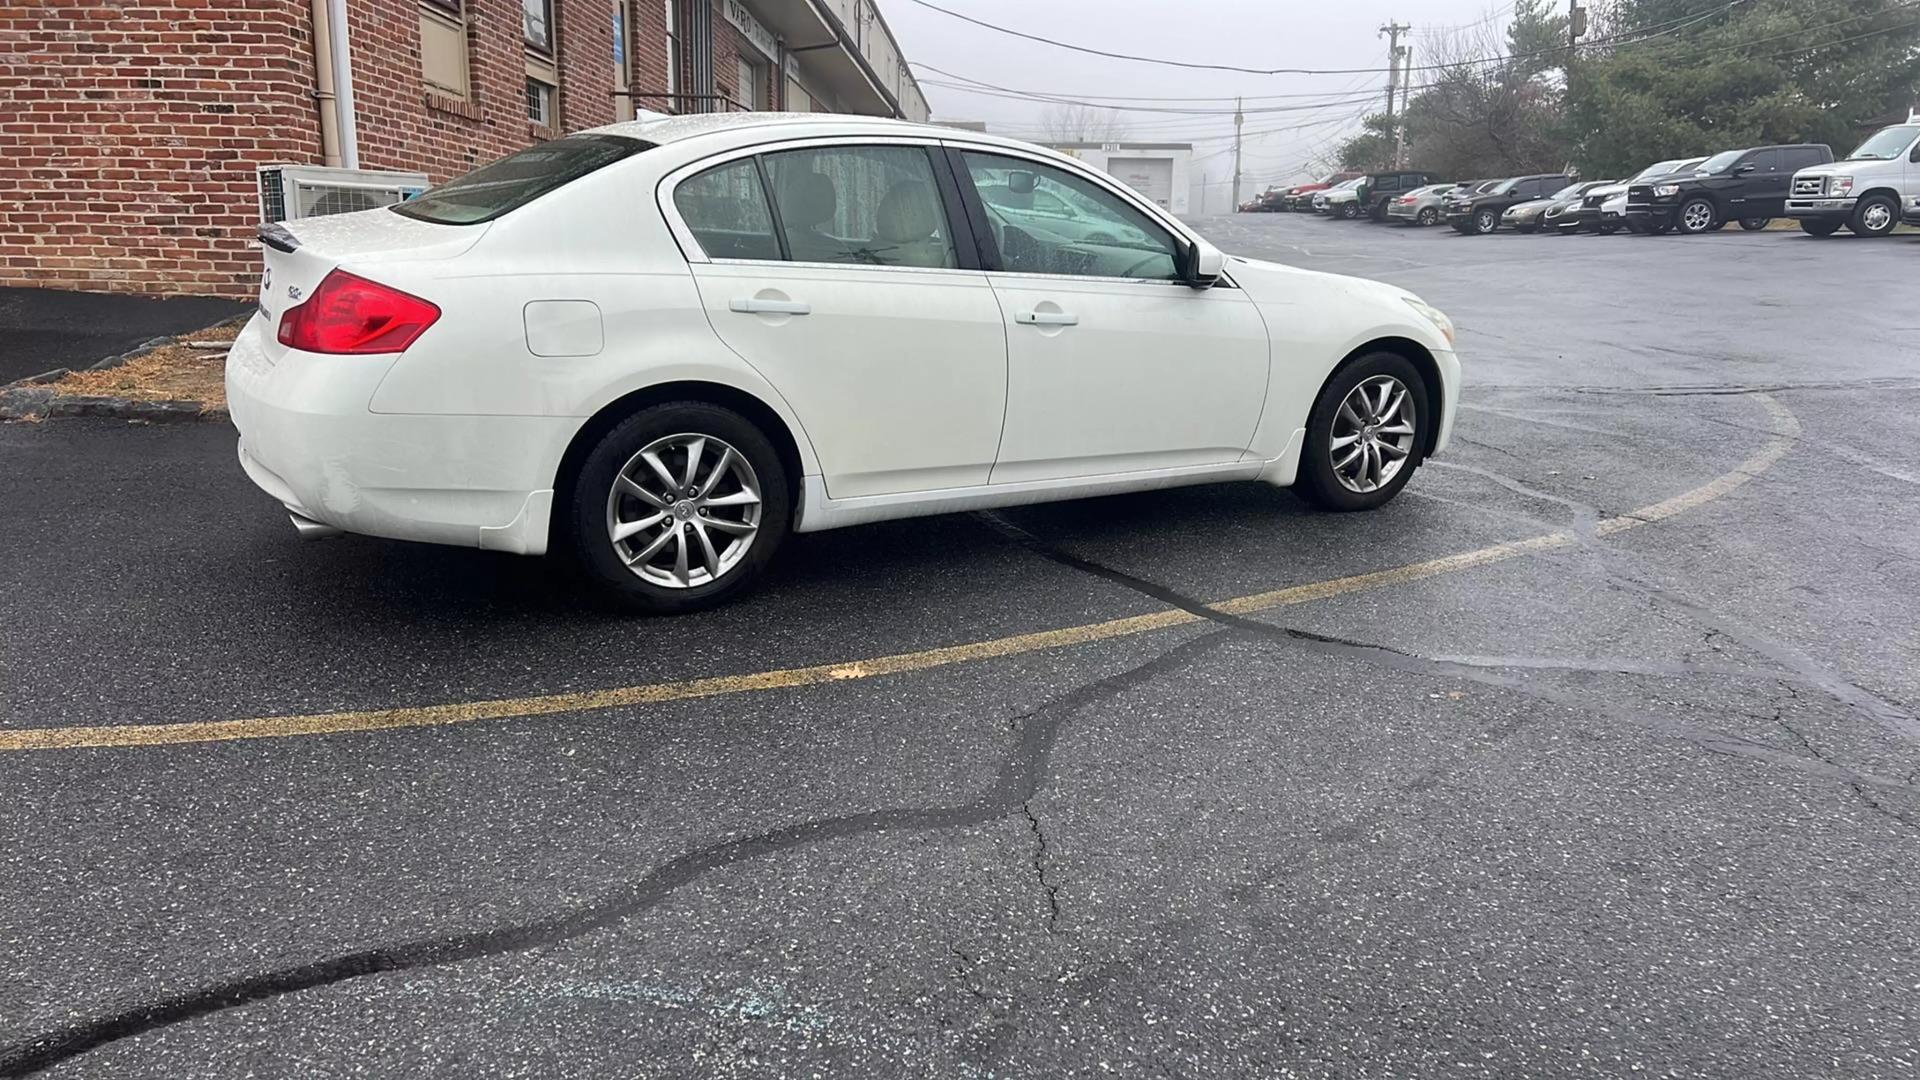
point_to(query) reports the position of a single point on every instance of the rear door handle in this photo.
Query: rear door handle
(757, 306)
(1047, 318)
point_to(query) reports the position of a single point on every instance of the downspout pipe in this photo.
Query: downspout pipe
(343, 84)
(323, 86)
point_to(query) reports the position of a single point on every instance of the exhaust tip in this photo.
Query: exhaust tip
(310, 529)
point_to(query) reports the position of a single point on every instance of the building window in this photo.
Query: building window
(443, 48)
(537, 23)
(540, 108)
(751, 87)
(673, 56)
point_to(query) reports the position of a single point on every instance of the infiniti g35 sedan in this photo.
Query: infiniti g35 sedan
(659, 347)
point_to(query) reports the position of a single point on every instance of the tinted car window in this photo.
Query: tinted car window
(1765, 161)
(1802, 156)
(518, 179)
(1107, 238)
(727, 210)
(872, 205)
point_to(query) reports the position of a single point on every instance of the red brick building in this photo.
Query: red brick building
(131, 130)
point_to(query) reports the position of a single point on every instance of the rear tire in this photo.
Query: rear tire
(1328, 483)
(1429, 216)
(1875, 215)
(1606, 229)
(1350, 210)
(1818, 227)
(752, 491)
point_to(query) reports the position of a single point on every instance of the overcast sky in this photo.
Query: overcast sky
(1247, 33)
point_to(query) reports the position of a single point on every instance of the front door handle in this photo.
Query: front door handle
(1047, 318)
(757, 306)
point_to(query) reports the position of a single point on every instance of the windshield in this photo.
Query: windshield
(1721, 161)
(1568, 192)
(1886, 144)
(1505, 186)
(516, 180)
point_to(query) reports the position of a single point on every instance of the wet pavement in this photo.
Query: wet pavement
(1645, 796)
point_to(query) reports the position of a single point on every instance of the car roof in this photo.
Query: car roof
(662, 129)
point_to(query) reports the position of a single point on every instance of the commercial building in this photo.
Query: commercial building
(1157, 170)
(132, 132)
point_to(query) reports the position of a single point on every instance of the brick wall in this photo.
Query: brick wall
(129, 129)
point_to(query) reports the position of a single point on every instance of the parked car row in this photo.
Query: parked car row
(1869, 192)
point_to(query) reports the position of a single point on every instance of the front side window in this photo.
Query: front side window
(1109, 238)
(726, 210)
(1764, 161)
(518, 179)
(1721, 161)
(861, 205)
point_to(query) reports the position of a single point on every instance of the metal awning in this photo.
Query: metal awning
(821, 46)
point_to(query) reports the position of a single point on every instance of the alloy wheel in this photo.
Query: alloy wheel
(684, 511)
(1373, 434)
(1696, 217)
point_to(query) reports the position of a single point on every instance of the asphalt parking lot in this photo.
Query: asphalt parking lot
(1594, 753)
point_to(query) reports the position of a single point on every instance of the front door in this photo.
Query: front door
(1113, 365)
(1760, 186)
(845, 292)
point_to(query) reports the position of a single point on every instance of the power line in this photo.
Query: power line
(1639, 34)
(1333, 101)
(1075, 97)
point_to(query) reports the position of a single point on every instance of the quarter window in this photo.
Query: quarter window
(726, 210)
(1105, 237)
(869, 205)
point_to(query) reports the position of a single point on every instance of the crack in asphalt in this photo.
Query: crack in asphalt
(1021, 775)
(1415, 663)
(1040, 869)
(1866, 799)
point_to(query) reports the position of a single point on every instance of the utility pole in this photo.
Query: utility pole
(1395, 55)
(1237, 117)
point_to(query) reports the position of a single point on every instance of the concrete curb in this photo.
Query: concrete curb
(28, 398)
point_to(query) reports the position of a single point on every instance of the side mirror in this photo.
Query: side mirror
(1020, 182)
(1204, 265)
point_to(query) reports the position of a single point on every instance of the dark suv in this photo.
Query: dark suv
(1378, 190)
(1748, 186)
(1480, 214)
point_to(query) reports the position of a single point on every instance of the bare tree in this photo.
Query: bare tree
(1082, 123)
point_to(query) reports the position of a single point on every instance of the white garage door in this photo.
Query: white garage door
(1152, 177)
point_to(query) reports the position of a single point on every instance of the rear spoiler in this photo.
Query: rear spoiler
(278, 237)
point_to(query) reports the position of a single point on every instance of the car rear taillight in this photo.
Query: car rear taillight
(1406, 199)
(349, 315)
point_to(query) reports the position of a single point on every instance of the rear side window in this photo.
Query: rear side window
(1800, 157)
(726, 209)
(518, 179)
(869, 205)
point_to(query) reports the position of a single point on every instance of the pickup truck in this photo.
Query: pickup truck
(1864, 192)
(1748, 186)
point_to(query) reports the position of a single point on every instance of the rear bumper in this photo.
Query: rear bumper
(308, 440)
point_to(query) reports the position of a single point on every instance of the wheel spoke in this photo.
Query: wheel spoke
(626, 484)
(737, 528)
(1395, 404)
(707, 551)
(680, 555)
(695, 449)
(659, 469)
(1351, 417)
(1401, 428)
(719, 470)
(1380, 407)
(626, 529)
(640, 557)
(1358, 452)
(742, 497)
(1388, 448)
(1341, 442)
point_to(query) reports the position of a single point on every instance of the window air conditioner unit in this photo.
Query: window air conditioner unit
(292, 192)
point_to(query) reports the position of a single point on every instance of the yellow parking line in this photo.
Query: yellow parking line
(1785, 429)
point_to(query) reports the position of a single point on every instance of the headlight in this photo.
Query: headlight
(1434, 315)
(1839, 185)
(1664, 190)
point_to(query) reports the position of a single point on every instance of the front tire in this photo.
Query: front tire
(678, 508)
(1755, 224)
(1350, 211)
(1485, 222)
(1697, 215)
(1819, 227)
(1875, 215)
(1366, 434)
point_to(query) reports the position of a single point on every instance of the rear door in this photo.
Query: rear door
(1113, 364)
(833, 269)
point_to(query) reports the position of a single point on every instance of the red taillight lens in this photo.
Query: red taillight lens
(348, 314)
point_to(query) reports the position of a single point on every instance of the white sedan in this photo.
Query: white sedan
(663, 345)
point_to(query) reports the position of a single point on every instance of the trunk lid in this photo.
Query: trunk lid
(298, 254)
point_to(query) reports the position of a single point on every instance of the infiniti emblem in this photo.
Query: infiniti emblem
(293, 292)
